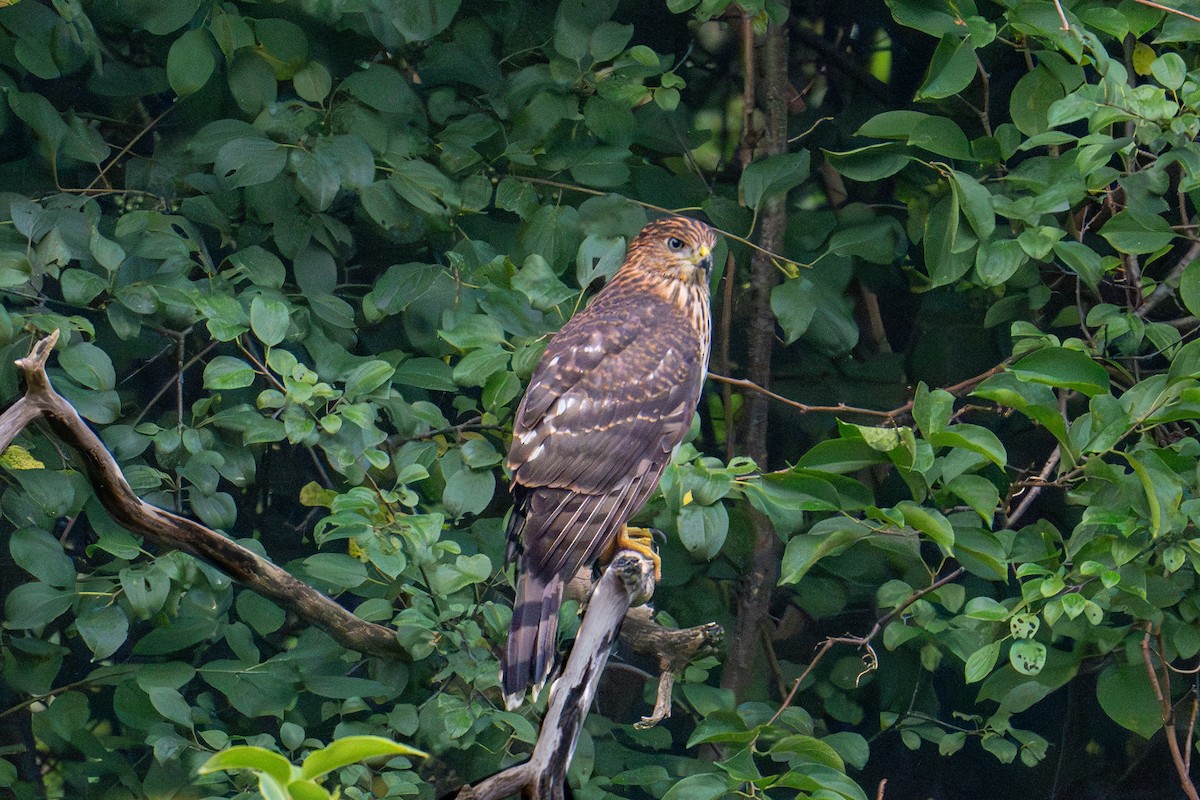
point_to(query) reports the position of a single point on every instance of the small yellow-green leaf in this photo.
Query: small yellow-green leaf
(1027, 656)
(352, 749)
(247, 757)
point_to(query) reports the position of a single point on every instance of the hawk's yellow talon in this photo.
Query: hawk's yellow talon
(640, 540)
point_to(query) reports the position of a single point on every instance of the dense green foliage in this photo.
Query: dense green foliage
(303, 256)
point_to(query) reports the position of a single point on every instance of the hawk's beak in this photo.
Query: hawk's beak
(703, 258)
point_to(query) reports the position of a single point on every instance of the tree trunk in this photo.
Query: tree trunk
(754, 595)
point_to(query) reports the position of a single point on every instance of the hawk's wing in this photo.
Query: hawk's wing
(614, 393)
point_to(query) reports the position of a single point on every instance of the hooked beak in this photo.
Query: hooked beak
(703, 258)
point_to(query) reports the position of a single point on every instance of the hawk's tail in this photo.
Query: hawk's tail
(531, 637)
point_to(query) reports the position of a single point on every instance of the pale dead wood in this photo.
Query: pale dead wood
(245, 566)
(671, 649)
(628, 579)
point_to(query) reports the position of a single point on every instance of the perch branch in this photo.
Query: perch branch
(128, 510)
(628, 579)
(671, 649)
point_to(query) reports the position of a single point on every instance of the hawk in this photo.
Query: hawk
(609, 402)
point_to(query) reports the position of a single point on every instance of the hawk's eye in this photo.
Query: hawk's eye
(675, 243)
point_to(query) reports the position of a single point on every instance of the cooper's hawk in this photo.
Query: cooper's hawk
(610, 400)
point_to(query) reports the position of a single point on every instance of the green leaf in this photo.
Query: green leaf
(1083, 260)
(946, 257)
(35, 605)
(306, 790)
(1024, 626)
(842, 456)
(1125, 694)
(1063, 368)
(985, 608)
(227, 372)
(1031, 100)
(38, 553)
(975, 438)
(981, 662)
(269, 319)
(89, 366)
(705, 786)
(312, 82)
(190, 62)
(975, 201)
(980, 494)
(950, 70)
(772, 177)
(398, 288)
(367, 377)
(1027, 656)
(794, 303)
(337, 569)
(538, 282)
(1137, 234)
(871, 163)
(262, 267)
(1189, 287)
(1169, 69)
(249, 161)
(802, 749)
(826, 538)
(420, 20)
(703, 529)
(929, 522)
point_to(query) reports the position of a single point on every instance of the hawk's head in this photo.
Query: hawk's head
(675, 248)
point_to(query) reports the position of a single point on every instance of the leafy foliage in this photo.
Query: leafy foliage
(305, 255)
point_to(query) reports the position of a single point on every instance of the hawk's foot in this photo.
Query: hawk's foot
(640, 540)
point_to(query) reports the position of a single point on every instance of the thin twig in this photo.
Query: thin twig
(473, 424)
(724, 340)
(1062, 15)
(864, 640)
(1168, 9)
(1167, 285)
(840, 408)
(1162, 692)
(596, 193)
(746, 150)
(1033, 491)
(124, 151)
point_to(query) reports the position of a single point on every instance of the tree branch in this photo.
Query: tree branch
(128, 510)
(1162, 692)
(629, 579)
(671, 649)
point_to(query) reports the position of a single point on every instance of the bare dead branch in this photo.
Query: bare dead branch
(164, 528)
(628, 579)
(671, 649)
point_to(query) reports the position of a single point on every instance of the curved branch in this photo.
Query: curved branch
(128, 510)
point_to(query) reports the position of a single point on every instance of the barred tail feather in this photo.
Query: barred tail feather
(529, 657)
